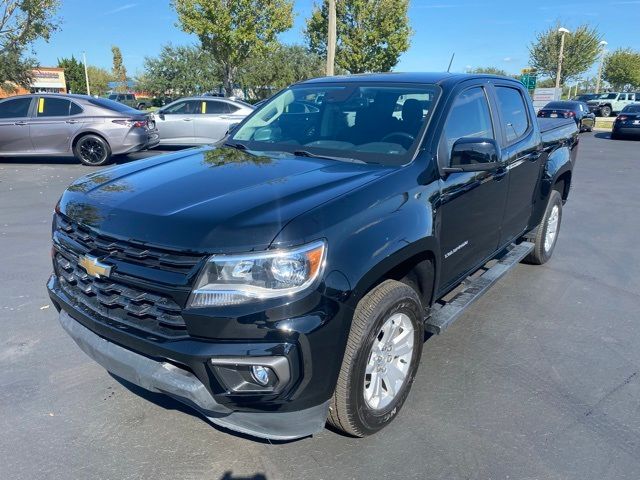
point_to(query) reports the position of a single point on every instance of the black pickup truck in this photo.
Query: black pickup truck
(289, 274)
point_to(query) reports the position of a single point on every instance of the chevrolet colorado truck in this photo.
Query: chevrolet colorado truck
(288, 275)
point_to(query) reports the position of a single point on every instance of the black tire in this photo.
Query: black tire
(141, 106)
(541, 252)
(92, 150)
(605, 111)
(349, 411)
(615, 136)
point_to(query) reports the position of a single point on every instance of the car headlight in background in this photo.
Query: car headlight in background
(239, 279)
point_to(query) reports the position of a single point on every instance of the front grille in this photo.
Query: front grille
(119, 298)
(128, 251)
(122, 303)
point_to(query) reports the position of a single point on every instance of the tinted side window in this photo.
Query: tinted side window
(75, 109)
(53, 107)
(15, 108)
(232, 108)
(513, 111)
(211, 107)
(469, 117)
(188, 107)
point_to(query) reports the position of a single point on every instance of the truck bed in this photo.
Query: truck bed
(557, 129)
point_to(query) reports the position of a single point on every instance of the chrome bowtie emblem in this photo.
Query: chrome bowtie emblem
(93, 267)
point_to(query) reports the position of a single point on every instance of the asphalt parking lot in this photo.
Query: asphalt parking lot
(540, 379)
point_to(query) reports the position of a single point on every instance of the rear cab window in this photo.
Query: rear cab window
(514, 114)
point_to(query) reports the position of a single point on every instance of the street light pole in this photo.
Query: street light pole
(562, 30)
(331, 38)
(603, 44)
(86, 73)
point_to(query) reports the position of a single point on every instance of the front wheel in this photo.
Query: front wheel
(92, 150)
(380, 361)
(605, 111)
(546, 235)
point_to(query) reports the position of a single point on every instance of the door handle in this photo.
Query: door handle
(72, 121)
(186, 119)
(21, 123)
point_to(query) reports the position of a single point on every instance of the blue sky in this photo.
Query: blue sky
(481, 33)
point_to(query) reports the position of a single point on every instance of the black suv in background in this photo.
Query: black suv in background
(287, 275)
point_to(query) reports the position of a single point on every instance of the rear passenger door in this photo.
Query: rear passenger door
(524, 157)
(55, 121)
(14, 126)
(213, 122)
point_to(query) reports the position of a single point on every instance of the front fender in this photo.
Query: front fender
(372, 229)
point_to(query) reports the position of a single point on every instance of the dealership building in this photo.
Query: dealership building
(45, 80)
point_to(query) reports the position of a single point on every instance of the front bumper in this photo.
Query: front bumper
(167, 378)
(185, 368)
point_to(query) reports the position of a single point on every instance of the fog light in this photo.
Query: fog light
(260, 374)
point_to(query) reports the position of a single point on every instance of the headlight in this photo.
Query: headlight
(238, 279)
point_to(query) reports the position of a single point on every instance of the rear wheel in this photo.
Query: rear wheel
(380, 361)
(605, 111)
(92, 150)
(546, 235)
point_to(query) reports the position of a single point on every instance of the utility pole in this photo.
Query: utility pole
(86, 73)
(603, 44)
(331, 38)
(562, 30)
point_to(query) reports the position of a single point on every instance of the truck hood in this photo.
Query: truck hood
(209, 199)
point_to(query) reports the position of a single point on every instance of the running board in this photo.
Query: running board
(473, 288)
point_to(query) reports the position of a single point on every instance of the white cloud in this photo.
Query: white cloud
(121, 8)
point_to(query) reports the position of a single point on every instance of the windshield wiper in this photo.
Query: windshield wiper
(237, 146)
(305, 153)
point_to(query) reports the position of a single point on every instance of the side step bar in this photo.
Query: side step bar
(444, 313)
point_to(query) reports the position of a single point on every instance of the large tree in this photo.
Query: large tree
(283, 66)
(119, 70)
(234, 31)
(371, 34)
(74, 74)
(99, 79)
(21, 23)
(581, 48)
(622, 69)
(180, 71)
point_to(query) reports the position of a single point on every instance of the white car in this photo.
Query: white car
(198, 120)
(612, 102)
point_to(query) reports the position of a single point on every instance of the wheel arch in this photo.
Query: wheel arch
(414, 264)
(84, 133)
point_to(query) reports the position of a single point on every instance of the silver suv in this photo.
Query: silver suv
(91, 129)
(612, 102)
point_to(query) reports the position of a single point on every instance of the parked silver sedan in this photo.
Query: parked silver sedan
(91, 129)
(198, 120)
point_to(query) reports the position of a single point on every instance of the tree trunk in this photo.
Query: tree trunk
(228, 79)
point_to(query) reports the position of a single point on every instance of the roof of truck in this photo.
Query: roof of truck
(407, 77)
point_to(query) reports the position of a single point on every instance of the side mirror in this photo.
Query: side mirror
(160, 114)
(473, 155)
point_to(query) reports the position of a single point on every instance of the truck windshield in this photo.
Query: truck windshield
(363, 121)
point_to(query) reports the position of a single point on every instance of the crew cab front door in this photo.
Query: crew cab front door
(522, 151)
(472, 203)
